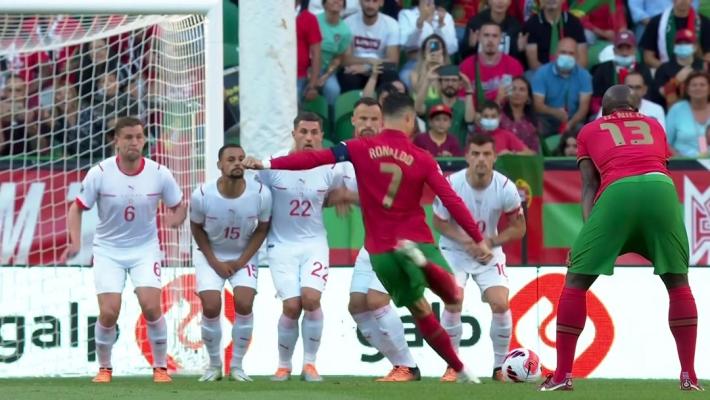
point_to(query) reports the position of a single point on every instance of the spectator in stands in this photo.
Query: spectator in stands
(562, 91)
(643, 10)
(636, 82)
(547, 29)
(513, 41)
(336, 39)
(518, 116)
(375, 41)
(603, 24)
(505, 141)
(96, 59)
(308, 45)
(689, 119)
(350, 7)
(658, 39)
(450, 81)
(491, 69)
(20, 103)
(432, 56)
(462, 11)
(567, 146)
(63, 117)
(613, 72)
(438, 141)
(671, 74)
(416, 25)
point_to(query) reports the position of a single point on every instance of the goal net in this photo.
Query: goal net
(65, 79)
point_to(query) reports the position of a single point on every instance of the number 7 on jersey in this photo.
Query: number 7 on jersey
(396, 179)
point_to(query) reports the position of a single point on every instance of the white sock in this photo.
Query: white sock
(370, 329)
(501, 330)
(105, 338)
(212, 338)
(158, 337)
(392, 330)
(288, 336)
(312, 331)
(451, 322)
(241, 337)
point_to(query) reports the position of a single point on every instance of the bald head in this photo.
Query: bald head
(619, 98)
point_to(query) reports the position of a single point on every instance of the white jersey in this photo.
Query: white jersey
(372, 41)
(486, 205)
(230, 223)
(298, 200)
(128, 204)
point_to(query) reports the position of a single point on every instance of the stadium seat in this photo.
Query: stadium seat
(319, 105)
(343, 110)
(550, 143)
(230, 34)
(327, 144)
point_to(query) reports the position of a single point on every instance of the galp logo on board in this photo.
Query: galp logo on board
(697, 222)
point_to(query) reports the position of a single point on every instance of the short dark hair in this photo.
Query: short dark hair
(345, 4)
(490, 105)
(307, 116)
(368, 101)
(125, 122)
(479, 140)
(397, 104)
(636, 72)
(225, 147)
(491, 23)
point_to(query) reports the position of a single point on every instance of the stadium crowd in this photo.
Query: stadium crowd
(529, 73)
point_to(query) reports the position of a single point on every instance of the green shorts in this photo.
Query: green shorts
(639, 214)
(405, 281)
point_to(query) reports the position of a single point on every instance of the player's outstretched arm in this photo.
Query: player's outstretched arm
(176, 215)
(74, 228)
(590, 186)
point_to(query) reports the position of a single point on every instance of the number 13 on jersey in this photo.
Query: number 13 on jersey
(395, 180)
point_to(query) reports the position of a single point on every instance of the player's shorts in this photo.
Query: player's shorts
(404, 281)
(638, 214)
(485, 276)
(364, 277)
(295, 266)
(208, 279)
(112, 265)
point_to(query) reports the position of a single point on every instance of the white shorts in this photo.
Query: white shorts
(295, 266)
(207, 278)
(111, 266)
(485, 276)
(364, 277)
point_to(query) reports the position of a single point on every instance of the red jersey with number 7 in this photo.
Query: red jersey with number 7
(391, 172)
(624, 144)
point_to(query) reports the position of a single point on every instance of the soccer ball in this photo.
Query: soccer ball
(521, 365)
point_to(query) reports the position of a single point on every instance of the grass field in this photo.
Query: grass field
(346, 388)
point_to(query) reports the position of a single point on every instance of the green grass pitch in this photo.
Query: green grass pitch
(334, 387)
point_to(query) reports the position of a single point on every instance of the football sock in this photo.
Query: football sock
(370, 329)
(437, 338)
(288, 336)
(105, 338)
(158, 337)
(241, 337)
(683, 321)
(501, 329)
(571, 316)
(442, 283)
(392, 329)
(311, 330)
(451, 321)
(212, 338)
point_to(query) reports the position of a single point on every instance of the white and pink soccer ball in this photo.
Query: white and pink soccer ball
(521, 365)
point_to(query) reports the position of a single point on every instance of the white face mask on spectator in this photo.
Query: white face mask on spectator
(683, 50)
(489, 124)
(565, 62)
(624, 61)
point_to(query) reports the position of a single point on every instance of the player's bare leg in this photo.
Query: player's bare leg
(311, 332)
(287, 337)
(436, 336)
(571, 316)
(501, 326)
(683, 321)
(242, 331)
(212, 333)
(149, 300)
(105, 333)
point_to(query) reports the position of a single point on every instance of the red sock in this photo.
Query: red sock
(439, 340)
(683, 320)
(571, 316)
(442, 283)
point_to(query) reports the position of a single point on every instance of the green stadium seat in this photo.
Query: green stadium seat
(550, 144)
(344, 105)
(319, 105)
(327, 144)
(230, 33)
